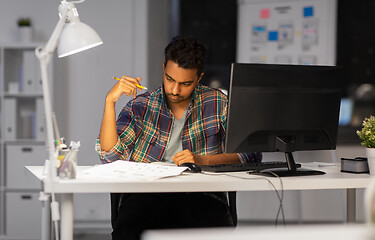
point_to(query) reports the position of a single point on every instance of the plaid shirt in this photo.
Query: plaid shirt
(144, 127)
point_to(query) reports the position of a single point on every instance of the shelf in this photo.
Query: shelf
(22, 95)
(23, 142)
(21, 45)
(26, 190)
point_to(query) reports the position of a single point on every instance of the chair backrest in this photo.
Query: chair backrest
(116, 200)
(115, 203)
(233, 206)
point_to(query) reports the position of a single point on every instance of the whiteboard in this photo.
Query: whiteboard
(287, 32)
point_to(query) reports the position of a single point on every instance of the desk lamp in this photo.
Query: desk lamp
(71, 36)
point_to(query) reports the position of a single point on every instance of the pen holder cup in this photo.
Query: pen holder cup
(68, 163)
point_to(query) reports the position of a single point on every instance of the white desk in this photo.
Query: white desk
(298, 232)
(190, 182)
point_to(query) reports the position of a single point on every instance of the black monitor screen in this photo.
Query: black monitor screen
(283, 108)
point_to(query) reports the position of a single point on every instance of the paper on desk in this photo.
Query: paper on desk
(134, 170)
(318, 164)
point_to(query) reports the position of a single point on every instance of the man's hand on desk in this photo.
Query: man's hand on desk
(188, 156)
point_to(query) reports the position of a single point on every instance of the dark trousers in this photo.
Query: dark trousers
(142, 211)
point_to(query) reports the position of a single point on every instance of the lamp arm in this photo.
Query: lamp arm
(48, 113)
(44, 55)
(53, 40)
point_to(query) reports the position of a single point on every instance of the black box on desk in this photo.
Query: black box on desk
(356, 165)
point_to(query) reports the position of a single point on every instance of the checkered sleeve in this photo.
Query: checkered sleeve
(125, 140)
(111, 155)
(254, 157)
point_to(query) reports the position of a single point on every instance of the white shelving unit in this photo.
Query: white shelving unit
(22, 139)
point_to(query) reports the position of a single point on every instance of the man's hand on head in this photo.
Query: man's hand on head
(186, 156)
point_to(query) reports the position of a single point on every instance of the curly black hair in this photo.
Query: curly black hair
(187, 52)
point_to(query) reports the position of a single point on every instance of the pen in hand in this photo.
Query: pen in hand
(142, 87)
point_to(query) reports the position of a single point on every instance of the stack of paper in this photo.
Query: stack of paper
(134, 170)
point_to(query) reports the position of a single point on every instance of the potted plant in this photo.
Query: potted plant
(25, 29)
(367, 135)
(24, 22)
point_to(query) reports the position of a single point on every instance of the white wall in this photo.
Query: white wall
(159, 30)
(43, 19)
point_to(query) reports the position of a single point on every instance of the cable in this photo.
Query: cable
(281, 208)
(280, 197)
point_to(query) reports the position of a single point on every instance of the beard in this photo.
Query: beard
(175, 98)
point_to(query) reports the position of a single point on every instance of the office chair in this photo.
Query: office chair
(116, 199)
(115, 202)
(233, 207)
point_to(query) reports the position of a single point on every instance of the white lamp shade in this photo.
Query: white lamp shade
(75, 37)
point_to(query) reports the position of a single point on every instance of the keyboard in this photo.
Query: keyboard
(237, 167)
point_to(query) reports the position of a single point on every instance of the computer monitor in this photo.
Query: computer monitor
(283, 108)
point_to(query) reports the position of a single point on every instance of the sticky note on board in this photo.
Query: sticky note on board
(259, 29)
(273, 35)
(265, 13)
(308, 11)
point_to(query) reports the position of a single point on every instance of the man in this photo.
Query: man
(180, 122)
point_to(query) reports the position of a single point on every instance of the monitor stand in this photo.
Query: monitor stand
(292, 170)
